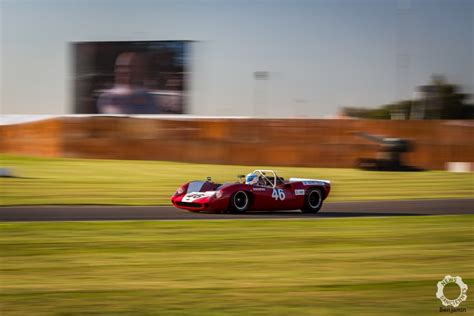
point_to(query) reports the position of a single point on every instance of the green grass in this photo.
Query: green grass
(377, 266)
(82, 181)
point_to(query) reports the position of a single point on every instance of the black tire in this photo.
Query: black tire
(239, 202)
(313, 201)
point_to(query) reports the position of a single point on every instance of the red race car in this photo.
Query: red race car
(261, 190)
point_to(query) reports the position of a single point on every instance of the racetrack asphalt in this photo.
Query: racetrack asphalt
(329, 210)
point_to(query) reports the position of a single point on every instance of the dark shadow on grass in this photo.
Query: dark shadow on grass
(19, 178)
(297, 214)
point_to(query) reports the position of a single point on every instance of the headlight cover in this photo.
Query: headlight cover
(219, 194)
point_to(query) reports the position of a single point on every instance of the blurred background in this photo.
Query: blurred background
(257, 82)
(241, 58)
(107, 107)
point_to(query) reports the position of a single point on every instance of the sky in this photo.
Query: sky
(320, 55)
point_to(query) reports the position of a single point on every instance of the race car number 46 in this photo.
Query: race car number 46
(278, 194)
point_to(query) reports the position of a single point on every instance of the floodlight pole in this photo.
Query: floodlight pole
(263, 77)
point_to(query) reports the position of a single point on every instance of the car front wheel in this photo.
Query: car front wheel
(240, 202)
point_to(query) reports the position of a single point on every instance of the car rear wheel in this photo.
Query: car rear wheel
(313, 201)
(240, 202)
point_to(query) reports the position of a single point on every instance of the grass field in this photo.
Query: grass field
(81, 181)
(378, 266)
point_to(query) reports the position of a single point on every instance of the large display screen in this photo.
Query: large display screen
(139, 77)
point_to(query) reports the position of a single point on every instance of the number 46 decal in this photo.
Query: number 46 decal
(278, 194)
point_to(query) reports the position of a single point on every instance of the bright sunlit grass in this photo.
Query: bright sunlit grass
(83, 181)
(378, 266)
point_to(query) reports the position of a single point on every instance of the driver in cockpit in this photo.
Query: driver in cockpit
(254, 179)
(251, 179)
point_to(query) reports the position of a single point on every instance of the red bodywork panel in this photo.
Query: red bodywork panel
(286, 196)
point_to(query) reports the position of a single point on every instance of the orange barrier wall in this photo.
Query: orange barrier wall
(277, 142)
(42, 138)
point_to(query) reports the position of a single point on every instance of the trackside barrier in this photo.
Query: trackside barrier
(260, 142)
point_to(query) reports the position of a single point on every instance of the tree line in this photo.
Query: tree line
(440, 100)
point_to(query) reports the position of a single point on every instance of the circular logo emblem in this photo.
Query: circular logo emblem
(462, 294)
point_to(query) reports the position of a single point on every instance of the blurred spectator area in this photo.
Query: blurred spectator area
(277, 142)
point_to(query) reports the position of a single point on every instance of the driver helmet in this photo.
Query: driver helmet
(251, 179)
